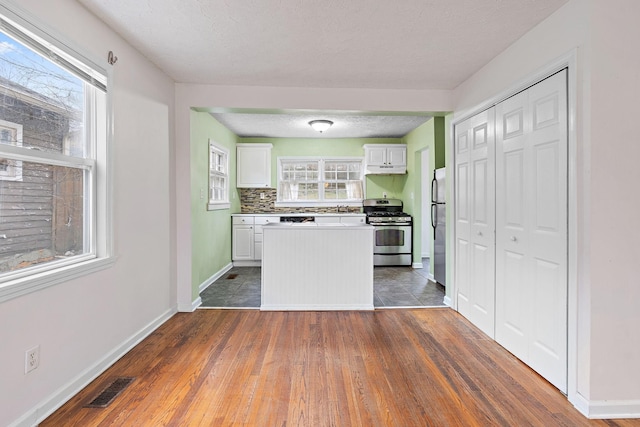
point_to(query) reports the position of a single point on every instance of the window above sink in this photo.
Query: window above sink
(320, 181)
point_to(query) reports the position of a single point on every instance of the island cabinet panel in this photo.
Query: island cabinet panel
(317, 267)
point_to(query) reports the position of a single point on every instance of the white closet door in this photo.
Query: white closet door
(531, 227)
(475, 219)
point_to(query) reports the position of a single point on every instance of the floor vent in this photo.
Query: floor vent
(232, 276)
(112, 391)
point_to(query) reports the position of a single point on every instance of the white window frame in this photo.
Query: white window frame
(13, 172)
(220, 172)
(321, 202)
(98, 180)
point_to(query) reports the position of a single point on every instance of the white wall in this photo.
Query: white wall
(82, 324)
(615, 201)
(606, 375)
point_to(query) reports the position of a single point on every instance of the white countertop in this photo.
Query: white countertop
(299, 214)
(316, 225)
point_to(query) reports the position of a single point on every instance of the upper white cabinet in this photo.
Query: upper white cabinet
(253, 167)
(385, 158)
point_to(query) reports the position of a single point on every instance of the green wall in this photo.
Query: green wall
(210, 230)
(347, 147)
(430, 135)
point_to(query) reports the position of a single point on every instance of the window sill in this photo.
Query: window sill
(37, 281)
(218, 206)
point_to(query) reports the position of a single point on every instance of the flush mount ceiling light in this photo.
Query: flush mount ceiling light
(320, 125)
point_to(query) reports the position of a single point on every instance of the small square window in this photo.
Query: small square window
(218, 177)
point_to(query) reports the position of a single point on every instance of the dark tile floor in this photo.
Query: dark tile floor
(392, 287)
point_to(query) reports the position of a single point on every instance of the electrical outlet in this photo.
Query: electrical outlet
(31, 359)
(262, 196)
(201, 193)
(384, 194)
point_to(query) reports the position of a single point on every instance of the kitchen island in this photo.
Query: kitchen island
(317, 266)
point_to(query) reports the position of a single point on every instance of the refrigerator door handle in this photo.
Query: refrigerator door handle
(434, 189)
(434, 209)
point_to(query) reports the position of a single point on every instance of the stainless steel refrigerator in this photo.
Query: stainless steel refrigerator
(438, 215)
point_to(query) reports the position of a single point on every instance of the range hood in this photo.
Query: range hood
(385, 170)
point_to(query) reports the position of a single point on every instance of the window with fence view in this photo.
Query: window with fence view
(47, 155)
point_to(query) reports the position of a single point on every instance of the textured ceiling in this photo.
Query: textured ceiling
(296, 124)
(381, 44)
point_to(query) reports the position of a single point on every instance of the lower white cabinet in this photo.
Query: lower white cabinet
(247, 239)
(259, 221)
(242, 239)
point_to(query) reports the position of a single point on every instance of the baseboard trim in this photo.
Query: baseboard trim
(50, 404)
(195, 304)
(447, 301)
(432, 277)
(257, 263)
(417, 265)
(609, 409)
(204, 285)
(317, 307)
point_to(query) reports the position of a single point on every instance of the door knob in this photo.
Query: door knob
(514, 239)
(480, 233)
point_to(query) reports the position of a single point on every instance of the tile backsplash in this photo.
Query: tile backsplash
(251, 203)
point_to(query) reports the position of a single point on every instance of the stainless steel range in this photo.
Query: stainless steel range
(392, 243)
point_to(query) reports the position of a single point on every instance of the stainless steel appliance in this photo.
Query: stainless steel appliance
(438, 211)
(392, 243)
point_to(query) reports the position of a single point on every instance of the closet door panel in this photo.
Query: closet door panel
(531, 223)
(475, 219)
(548, 254)
(513, 293)
(547, 353)
(462, 264)
(483, 287)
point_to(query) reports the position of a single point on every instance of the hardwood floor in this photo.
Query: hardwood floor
(424, 367)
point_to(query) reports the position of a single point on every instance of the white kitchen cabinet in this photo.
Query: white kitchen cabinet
(259, 222)
(385, 158)
(253, 165)
(242, 241)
